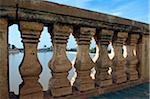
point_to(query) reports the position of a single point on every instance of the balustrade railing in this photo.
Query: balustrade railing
(31, 17)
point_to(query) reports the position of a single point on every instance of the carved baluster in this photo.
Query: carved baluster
(3, 60)
(59, 85)
(119, 62)
(132, 59)
(30, 67)
(103, 78)
(84, 63)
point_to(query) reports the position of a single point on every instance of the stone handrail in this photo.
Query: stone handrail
(61, 20)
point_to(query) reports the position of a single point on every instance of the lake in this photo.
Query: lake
(44, 57)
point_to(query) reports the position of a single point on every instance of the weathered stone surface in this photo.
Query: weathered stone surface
(8, 9)
(57, 92)
(134, 77)
(144, 57)
(83, 77)
(84, 63)
(98, 91)
(31, 89)
(58, 81)
(119, 62)
(103, 63)
(120, 80)
(102, 75)
(132, 59)
(119, 73)
(58, 9)
(59, 85)
(4, 92)
(84, 87)
(104, 83)
(30, 68)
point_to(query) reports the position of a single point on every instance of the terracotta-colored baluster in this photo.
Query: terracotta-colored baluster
(60, 65)
(119, 62)
(103, 78)
(84, 63)
(132, 59)
(30, 68)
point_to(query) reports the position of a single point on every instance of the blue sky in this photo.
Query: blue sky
(131, 9)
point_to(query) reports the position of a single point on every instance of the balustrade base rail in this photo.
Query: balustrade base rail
(95, 92)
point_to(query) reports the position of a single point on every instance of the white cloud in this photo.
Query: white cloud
(116, 13)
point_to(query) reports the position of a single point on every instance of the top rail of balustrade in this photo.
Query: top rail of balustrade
(49, 12)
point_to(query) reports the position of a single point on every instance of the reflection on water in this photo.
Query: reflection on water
(15, 78)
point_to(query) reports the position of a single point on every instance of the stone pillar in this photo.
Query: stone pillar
(119, 62)
(4, 90)
(147, 57)
(144, 57)
(132, 59)
(30, 68)
(84, 63)
(103, 78)
(59, 85)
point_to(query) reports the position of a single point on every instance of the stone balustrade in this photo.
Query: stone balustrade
(62, 20)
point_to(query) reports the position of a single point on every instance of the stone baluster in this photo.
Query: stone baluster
(30, 68)
(103, 78)
(4, 90)
(119, 62)
(84, 63)
(60, 65)
(132, 59)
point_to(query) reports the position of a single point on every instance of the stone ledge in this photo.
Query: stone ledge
(97, 91)
(66, 11)
(56, 8)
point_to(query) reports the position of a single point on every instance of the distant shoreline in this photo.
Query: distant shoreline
(16, 50)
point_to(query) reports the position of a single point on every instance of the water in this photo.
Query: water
(44, 57)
